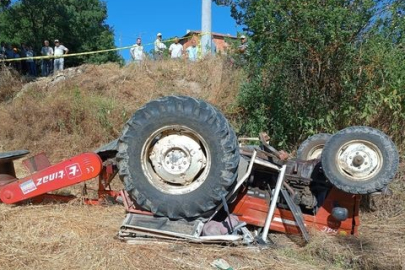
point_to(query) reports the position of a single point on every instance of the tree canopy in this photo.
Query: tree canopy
(79, 25)
(320, 65)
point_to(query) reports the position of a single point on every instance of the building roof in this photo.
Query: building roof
(193, 32)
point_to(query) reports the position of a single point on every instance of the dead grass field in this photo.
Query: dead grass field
(85, 108)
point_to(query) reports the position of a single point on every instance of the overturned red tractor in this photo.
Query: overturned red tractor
(186, 176)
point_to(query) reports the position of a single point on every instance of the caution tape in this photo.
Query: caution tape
(90, 52)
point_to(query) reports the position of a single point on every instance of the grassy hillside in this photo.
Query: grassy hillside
(87, 106)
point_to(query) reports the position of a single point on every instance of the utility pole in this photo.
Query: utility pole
(206, 41)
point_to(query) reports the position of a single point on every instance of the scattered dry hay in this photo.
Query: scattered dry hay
(83, 237)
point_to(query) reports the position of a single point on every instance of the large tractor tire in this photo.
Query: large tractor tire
(360, 160)
(312, 147)
(177, 157)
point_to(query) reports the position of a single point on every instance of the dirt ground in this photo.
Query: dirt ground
(85, 107)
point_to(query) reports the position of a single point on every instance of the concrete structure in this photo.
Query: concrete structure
(206, 38)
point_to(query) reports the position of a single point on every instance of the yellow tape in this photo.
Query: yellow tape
(91, 52)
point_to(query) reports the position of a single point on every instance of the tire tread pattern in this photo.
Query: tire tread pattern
(311, 142)
(387, 172)
(204, 114)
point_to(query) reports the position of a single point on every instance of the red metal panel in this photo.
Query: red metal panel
(36, 163)
(254, 211)
(75, 170)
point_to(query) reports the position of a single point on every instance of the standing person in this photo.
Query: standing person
(137, 51)
(59, 51)
(17, 64)
(9, 52)
(192, 51)
(47, 62)
(160, 47)
(243, 44)
(23, 54)
(3, 50)
(32, 69)
(176, 49)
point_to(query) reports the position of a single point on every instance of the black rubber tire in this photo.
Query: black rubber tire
(314, 142)
(202, 118)
(379, 179)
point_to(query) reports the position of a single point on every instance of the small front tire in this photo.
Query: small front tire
(360, 160)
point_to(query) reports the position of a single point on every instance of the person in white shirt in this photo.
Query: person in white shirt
(193, 51)
(176, 49)
(59, 50)
(159, 47)
(137, 51)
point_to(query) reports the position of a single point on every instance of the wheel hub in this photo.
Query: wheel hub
(315, 153)
(177, 159)
(359, 160)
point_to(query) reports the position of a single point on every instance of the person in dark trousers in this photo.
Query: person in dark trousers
(46, 63)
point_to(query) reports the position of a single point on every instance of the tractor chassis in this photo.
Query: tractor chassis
(251, 208)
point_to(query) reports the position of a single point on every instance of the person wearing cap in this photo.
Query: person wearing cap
(59, 50)
(160, 47)
(176, 49)
(136, 51)
(243, 44)
(46, 62)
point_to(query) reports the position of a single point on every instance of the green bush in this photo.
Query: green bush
(319, 66)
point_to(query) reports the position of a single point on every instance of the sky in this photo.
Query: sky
(131, 19)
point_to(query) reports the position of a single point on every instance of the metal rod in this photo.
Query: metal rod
(238, 184)
(267, 164)
(245, 176)
(273, 203)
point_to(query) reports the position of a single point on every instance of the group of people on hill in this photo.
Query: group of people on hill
(53, 61)
(58, 62)
(176, 50)
(27, 64)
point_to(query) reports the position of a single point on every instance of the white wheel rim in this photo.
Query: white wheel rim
(175, 159)
(315, 152)
(359, 160)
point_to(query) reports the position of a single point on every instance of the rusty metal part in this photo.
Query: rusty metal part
(6, 179)
(289, 188)
(267, 147)
(36, 163)
(248, 151)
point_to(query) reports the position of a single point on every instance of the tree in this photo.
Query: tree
(79, 25)
(312, 65)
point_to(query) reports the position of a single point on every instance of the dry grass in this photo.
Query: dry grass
(85, 108)
(83, 237)
(10, 83)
